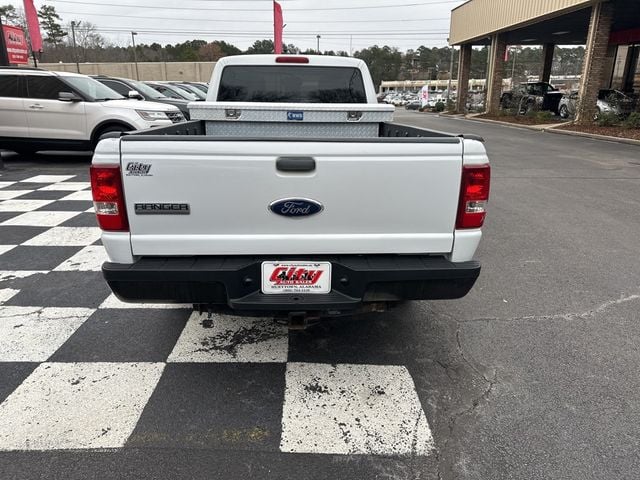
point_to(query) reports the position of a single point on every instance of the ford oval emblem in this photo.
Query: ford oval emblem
(296, 207)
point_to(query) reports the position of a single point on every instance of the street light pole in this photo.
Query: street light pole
(135, 56)
(450, 72)
(75, 49)
(318, 39)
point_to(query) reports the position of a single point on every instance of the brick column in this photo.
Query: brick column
(496, 73)
(593, 67)
(464, 67)
(547, 61)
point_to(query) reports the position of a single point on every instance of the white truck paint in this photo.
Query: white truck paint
(390, 224)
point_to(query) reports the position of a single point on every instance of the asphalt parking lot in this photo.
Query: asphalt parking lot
(533, 375)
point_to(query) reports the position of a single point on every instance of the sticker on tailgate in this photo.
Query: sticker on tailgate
(295, 115)
(296, 277)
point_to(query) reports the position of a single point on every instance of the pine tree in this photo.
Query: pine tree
(49, 20)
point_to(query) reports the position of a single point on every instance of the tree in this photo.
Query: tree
(227, 48)
(261, 46)
(49, 20)
(383, 62)
(10, 15)
(88, 40)
(210, 52)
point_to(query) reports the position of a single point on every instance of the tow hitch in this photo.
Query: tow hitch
(302, 320)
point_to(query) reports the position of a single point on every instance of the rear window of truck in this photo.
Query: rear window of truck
(291, 84)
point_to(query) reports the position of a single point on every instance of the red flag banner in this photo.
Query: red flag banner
(33, 25)
(277, 27)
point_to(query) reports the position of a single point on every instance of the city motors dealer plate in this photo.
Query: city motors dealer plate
(296, 277)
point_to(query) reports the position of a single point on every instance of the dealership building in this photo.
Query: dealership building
(609, 30)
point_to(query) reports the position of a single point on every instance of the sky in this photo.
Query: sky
(347, 25)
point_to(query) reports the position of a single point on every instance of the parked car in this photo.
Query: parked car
(199, 85)
(609, 101)
(172, 91)
(413, 105)
(191, 88)
(42, 110)
(530, 96)
(138, 90)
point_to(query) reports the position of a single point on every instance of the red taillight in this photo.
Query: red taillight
(292, 59)
(108, 198)
(474, 194)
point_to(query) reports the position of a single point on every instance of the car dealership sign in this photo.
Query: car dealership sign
(16, 45)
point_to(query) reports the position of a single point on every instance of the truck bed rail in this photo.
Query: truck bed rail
(194, 130)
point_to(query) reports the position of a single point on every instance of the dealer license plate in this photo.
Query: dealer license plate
(296, 277)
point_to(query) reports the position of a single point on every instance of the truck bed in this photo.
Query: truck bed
(195, 130)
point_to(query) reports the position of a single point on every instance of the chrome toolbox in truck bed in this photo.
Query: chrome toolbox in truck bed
(254, 119)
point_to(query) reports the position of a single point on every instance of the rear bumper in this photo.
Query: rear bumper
(235, 282)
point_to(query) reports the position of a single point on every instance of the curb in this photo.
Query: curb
(536, 128)
(595, 136)
(552, 128)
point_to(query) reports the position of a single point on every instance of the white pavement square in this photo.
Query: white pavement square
(113, 302)
(223, 339)
(6, 248)
(89, 259)
(33, 334)
(48, 178)
(9, 194)
(82, 195)
(77, 405)
(353, 409)
(6, 294)
(41, 219)
(65, 237)
(67, 186)
(18, 205)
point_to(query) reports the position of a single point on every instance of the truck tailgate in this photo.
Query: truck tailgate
(374, 195)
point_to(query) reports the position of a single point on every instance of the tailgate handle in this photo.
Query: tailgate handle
(296, 164)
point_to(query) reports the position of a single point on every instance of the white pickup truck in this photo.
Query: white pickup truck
(282, 215)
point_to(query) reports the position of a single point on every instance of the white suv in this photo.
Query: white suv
(42, 110)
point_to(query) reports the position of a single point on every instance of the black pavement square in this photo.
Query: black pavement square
(44, 195)
(234, 406)
(15, 235)
(10, 175)
(6, 216)
(63, 289)
(373, 339)
(25, 257)
(16, 282)
(12, 374)
(82, 220)
(68, 206)
(125, 335)
(23, 185)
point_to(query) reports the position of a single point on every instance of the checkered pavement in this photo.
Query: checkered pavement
(81, 370)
